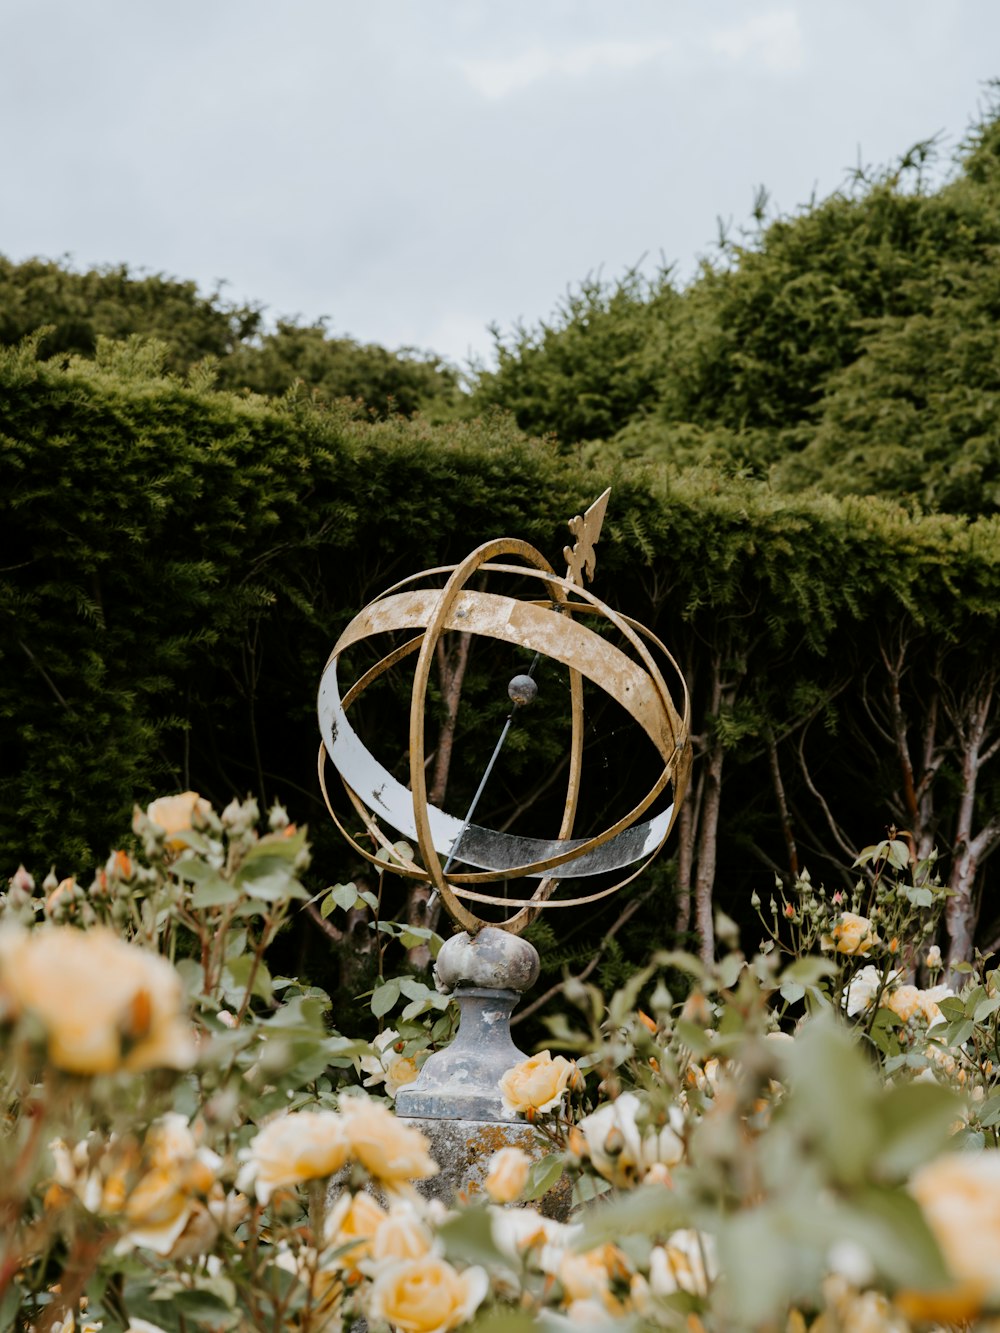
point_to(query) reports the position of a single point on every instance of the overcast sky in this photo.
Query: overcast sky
(417, 169)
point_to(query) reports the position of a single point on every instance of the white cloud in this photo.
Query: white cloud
(772, 40)
(498, 78)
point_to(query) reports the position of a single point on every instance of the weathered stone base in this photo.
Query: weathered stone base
(463, 1148)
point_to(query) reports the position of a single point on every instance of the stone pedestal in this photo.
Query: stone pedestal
(456, 1099)
(487, 974)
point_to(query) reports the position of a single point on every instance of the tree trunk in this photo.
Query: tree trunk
(708, 852)
(687, 835)
(970, 718)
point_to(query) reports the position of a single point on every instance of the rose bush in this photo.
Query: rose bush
(799, 1138)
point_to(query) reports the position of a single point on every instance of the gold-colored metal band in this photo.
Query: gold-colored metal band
(454, 607)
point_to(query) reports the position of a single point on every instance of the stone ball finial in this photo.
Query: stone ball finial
(492, 957)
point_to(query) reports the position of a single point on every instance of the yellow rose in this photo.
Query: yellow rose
(298, 1146)
(910, 1002)
(353, 1222)
(386, 1065)
(426, 1295)
(388, 1149)
(537, 1084)
(157, 1211)
(507, 1175)
(163, 1203)
(403, 1235)
(588, 1277)
(904, 1001)
(178, 814)
(852, 934)
(103, 1004)
(399, 1072)
(959, 1195)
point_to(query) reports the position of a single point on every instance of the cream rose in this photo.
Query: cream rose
(353, 1223)
(615, 1146)
(537, 1084)
(103, 1004)
(178, 815)
(507, 1175)
(164, 1204)
(864, 986)
(686, 1263)
(852, 934)
(298, 1146)
(523, 1234)
(96, 1172)
(959, 1195)
(402, 1235)
(388, 1149)
(426, 1295)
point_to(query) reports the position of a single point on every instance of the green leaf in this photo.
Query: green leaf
(956, 1034)
(899, 854)
(270, 879)
(920, 897)
(341, 895)
(214, 892)
(650, 1210)
(986, 1007)
(544, 1174)
(194, 869)
(385, 996)
(694, 1038)
(988, 1114)
(468, 1237)
(916, 1121)
(883, 1031)
(414, 989)
(276, 846)
(505, 1319)
(236, 976)
(890, 1227)
(809, 970)
(729, 970)
(833, 1091)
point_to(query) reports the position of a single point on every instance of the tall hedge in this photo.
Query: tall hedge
(179, 561)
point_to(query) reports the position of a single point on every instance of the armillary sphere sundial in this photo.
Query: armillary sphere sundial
(458, 858)
(486, 965)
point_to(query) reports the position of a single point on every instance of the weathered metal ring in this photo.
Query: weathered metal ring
(534, 625)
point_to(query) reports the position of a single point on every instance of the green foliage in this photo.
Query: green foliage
(113, 302)
(306, 358)
(593, 366)
(208, 338)
(851, 346)
(182, 559)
